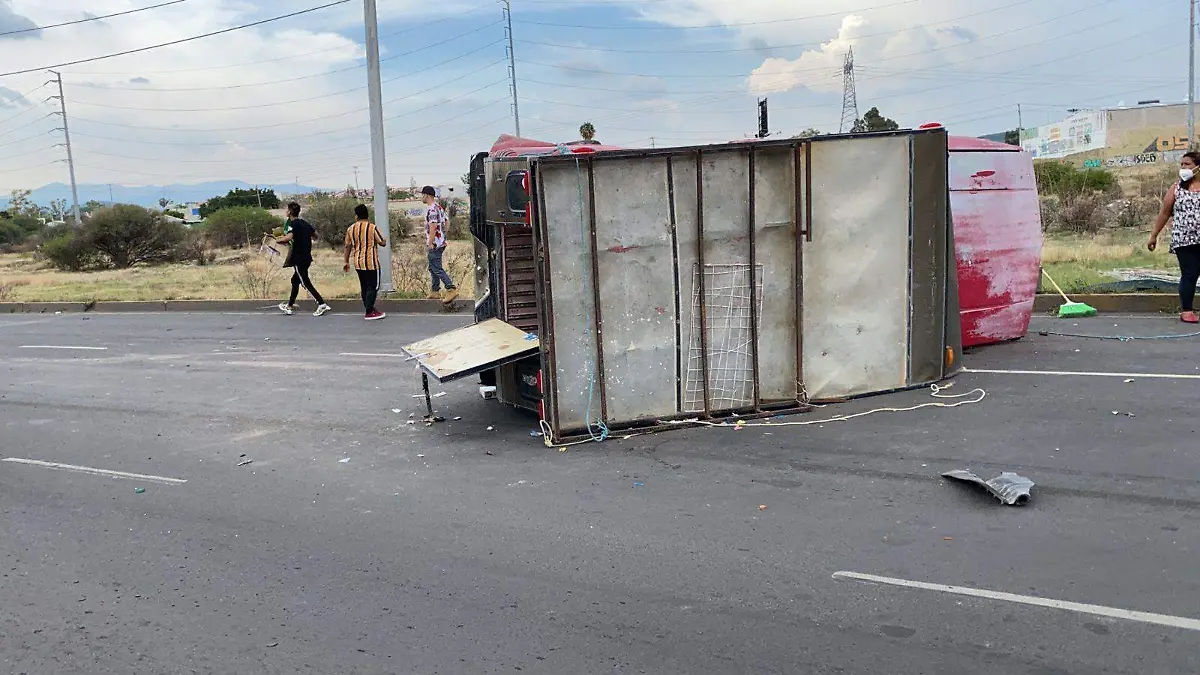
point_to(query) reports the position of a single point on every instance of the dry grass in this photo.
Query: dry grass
(235, 275)
(1077, 262)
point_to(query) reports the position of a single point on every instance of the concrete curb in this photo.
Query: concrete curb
(1116, 303)
(1124, 303)
(339, 306)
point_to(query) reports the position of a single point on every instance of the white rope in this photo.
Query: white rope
(969, 398)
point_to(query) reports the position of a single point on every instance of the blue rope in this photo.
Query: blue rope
(601, 429)
(1121, 338)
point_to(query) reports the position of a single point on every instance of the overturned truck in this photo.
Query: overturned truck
(622, 289)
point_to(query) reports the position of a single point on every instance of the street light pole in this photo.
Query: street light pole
(378, 153)
(1192, 75)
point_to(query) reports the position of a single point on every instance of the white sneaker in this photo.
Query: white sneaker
(283, 307)
(321, 309)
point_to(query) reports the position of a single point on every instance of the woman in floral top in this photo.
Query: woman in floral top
(1181, 206)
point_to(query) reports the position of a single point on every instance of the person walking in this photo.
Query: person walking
(436, 222)
(299, 236)
(1181, 206)
(363, 241)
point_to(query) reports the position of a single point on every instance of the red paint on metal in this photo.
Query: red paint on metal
(997, 238)
(621, 249)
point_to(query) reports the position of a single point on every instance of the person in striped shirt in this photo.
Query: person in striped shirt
(363, 241)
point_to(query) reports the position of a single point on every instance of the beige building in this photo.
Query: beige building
(1144, 134)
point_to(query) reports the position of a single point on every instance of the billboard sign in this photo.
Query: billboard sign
(1079, 133)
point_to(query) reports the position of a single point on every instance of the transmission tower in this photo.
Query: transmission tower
(849, 99)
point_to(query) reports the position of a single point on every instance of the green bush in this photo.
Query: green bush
(15, 230)
(70, 252)
(1058, 178)
(237, 226)
(129, 235)
(331, 217)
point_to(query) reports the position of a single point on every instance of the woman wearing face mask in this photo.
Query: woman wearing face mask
(1182, 207)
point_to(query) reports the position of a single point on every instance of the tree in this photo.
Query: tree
(129, 235)
(267, 199)
(58, 209)
(331, 217)
(236, 226)
(19, 204)
(587, 131)
(163, 203)
(809, 133)
(1012, 137)
(874, 121)
(91, 206)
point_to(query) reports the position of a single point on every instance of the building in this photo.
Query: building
(1125, 136)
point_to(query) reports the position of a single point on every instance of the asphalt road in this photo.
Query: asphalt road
(425, 554)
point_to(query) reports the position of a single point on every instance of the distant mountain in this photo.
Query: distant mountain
(148, 195)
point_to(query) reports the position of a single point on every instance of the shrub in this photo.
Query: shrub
(258, 277)
(1136, 212)
(460, 227)
(194, 249)
(237, 226)
(70, 252)
(16, 230)
(331, 217)
(1080, 213)
(1057, 178)
(129, 235)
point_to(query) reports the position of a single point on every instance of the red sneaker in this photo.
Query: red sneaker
(374, 315)
(1189, 317)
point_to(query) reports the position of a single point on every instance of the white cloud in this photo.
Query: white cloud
(814, 69)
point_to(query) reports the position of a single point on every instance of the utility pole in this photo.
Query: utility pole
(378, 152)
(62, 107)
(110, 197)
(512, 64)
(762, 118)
(259, 193)
(1020, 123)
(356, 182)
(1192, 74)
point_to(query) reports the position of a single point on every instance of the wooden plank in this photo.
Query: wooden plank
(469, 350)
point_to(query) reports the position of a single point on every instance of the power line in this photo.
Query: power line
(25, 126)
(262, 105)
(288, 138)
(718, 25)
(290, 57)
(90, 18)
(176, 42)
(267, 83)
(291, 123)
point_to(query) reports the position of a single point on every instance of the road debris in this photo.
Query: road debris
(139, 490)
(535, 434)
(396, 411)
(1011, 489)
(244, 462)
(638, 484)
(762, 507)
(344, 460)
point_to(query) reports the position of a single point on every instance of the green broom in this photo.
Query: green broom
(1070, 310)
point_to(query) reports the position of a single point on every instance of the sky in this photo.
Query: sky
(286, 101)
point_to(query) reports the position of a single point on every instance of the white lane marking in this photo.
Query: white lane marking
(97, 472)
(1095, 610)
(1084, 373)
(390, 356)
(91, 349)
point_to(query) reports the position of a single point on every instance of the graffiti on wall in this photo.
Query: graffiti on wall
(1170, 157)
(1079, 133)
(1168, 144)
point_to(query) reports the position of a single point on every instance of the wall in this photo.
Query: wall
(1082, 132)
(1134, 136)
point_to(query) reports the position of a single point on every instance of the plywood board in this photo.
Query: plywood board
(472, 349)
(856, 269)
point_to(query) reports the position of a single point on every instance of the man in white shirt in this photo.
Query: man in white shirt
(436, 222)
